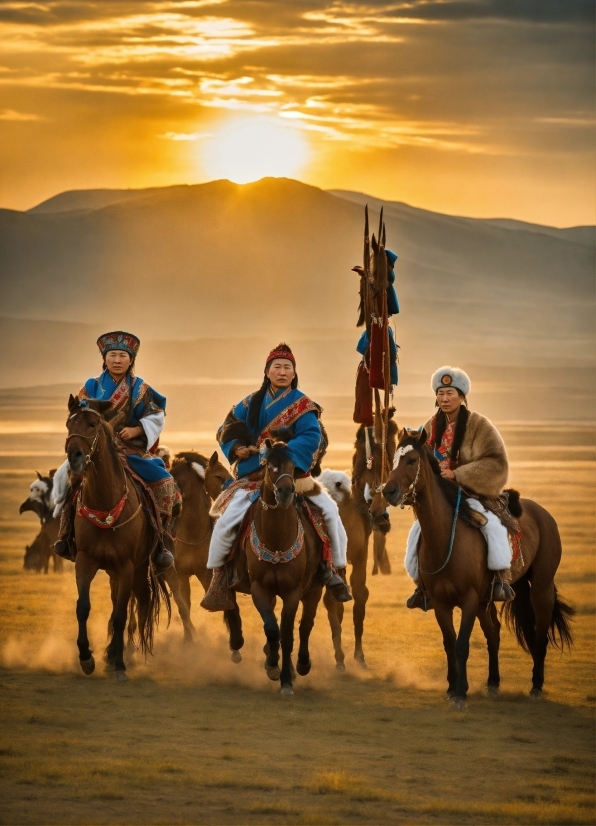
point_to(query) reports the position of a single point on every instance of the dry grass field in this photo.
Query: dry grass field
(193, 738)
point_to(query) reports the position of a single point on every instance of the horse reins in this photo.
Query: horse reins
(451, 538)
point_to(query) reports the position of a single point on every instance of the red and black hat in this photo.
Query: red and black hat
(118, 340)
(282, 351)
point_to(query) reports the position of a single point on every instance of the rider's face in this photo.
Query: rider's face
(280, 373)
(449, 400)
(117, 362)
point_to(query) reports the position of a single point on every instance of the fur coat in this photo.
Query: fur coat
(483, 465)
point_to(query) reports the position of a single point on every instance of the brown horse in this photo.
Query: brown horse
(280, 529)
(41, 550)
(452, 559)
(200, 481)
(362, 511)
(123, 550)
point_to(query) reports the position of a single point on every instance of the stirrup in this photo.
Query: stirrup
(163, 559)
(502, 591)
(62, 549)
(419, 600)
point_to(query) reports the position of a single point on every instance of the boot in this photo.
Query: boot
(162, 559)
(334, 582)
(218, 596)
(163, 556)
(502, 590)
(419, 599)
(63, 548)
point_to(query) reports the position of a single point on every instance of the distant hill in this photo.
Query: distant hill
(220, 262)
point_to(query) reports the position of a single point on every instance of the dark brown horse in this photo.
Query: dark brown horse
(362, 511)
(280, 530)
(452, 559)
(41, 550)
(123, 550)
(200, 481)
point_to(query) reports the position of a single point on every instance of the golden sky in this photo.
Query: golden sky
(471, 107)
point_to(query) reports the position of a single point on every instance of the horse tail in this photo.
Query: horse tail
(157, 593)
(520, 618)
(519, 614)
(132, 623)
(560, 624)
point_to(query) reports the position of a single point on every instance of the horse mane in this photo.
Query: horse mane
(279, 452)
(190, 456)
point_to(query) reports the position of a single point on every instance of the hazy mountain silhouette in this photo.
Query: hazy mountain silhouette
(234, 268)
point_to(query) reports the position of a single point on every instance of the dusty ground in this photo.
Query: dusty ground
(193, 738)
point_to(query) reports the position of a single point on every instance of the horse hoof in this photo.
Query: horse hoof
(493, 691)
(108, 668)
(287, 690)
(458, 703)
(303, 668)
(536, 693)
(88, 666)
(236, 657)
(273, 673)
(120, 676)
(361, 661)
(340, 666)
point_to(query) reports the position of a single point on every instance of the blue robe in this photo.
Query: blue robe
(307, 432)
(145, 400)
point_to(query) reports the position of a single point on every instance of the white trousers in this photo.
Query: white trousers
(495, 533)
(227, 525)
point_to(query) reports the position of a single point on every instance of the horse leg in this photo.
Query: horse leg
(262, 602)
(491, 627)
(469, 612)
(444, 617)
(184, 585)
(119, 616)
(360, 594)
(233, 623)
(310, 603)
(288, 618)
(335, 613)
(110, 652)
(543, 603)
(171, 577)
(85, 570)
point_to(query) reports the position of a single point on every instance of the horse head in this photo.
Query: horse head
(84, 425)
(216, 475)
(189, 465)
(367, 468)
(279, 472)
(40, 499)
(405, 479)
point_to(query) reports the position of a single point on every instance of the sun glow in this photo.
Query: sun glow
(246, 150)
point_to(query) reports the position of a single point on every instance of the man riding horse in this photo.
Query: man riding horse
(137, 418)
(471, 452)
(277, 405)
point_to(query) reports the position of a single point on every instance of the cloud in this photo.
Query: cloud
(11, 114)
(185, 136)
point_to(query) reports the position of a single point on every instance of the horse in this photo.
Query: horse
(116, 536)
(41, 550)
(452, 560)
(200, 481)
(283, 552)
(362, 512)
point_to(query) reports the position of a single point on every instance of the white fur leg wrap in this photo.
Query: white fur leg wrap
(497, 538)
(411, 560)
(226, 527)
(337, 533)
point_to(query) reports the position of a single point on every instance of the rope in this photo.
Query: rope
(455, 515)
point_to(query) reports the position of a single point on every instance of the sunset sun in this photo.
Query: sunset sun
(246, 150)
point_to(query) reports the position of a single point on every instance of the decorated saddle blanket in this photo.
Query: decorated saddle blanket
(162, 499)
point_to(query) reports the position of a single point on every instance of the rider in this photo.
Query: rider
(277, 404)
(137, 417)
(470, 452)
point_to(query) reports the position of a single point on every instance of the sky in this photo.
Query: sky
(481, 108)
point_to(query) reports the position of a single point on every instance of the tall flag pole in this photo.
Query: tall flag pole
(378, 368)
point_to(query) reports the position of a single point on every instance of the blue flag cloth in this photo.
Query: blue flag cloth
(392, 302)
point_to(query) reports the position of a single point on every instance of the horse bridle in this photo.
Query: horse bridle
(264, 504)
(411, 491)
(86, 439)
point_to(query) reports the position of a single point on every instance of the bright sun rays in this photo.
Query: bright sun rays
(249, 149)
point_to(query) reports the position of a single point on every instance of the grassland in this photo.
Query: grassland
(193, 738)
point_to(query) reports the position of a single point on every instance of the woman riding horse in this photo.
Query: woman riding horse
(137, 417)
(471, 452)
(277, 404)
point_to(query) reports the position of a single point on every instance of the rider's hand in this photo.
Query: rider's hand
(245, 452)
(447, 474)
(128, 433)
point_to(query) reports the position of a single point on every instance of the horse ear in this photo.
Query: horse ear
(214, 459)
(73, 403)
(422, 438)
(39, 476)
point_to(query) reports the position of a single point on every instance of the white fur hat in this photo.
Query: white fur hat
(451, 377)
